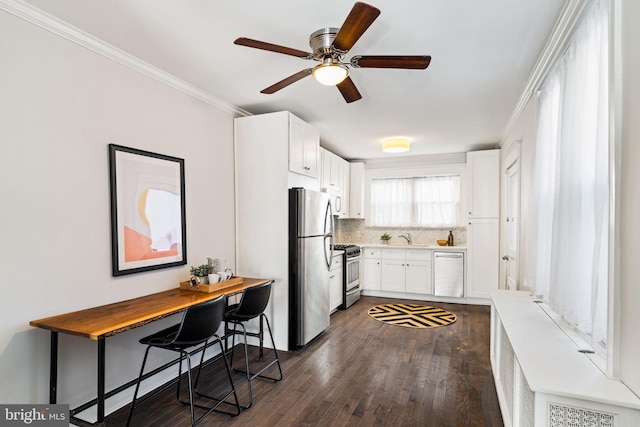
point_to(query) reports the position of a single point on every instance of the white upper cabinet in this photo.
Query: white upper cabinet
(332, 173)
(304, 147)
(483, 188)
(346, 199)
(356, 190)
(334, 180)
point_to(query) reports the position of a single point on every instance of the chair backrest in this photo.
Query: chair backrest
(200, 322)
(253, 302)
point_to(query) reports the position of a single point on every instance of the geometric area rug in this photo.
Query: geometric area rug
(411, 315)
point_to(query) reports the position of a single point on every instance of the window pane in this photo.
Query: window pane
(430, 201)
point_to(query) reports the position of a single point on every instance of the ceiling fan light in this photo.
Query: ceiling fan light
(396, 145)
(330, 73)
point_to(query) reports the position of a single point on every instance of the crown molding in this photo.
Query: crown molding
(48, 22)
(553, 49)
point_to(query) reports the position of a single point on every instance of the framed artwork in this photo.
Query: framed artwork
(148, 222)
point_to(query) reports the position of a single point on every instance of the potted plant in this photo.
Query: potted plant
(202, 272)
(385, 238)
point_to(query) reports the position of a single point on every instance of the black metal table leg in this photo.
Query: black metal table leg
(101, 385)
(53, 369)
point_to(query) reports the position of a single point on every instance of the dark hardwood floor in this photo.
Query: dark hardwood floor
(361, 372)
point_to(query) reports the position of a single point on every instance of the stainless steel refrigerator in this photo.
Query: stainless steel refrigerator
(310, 251)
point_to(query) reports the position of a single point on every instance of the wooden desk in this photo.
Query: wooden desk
(98, 323)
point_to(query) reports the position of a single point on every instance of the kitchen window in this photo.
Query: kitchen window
(424, 201)
(570, 231)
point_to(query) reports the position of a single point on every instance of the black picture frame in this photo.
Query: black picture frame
(148, 213)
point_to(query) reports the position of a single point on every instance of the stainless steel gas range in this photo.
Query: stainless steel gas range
(351, 278)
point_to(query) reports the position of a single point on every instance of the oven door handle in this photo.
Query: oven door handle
(355, 290)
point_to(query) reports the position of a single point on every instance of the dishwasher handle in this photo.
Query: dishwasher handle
(446, 255)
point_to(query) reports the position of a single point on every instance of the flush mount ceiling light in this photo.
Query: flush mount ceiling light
(330, 72)
(396, 144)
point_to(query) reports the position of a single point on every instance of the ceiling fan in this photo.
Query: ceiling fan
(330, 45)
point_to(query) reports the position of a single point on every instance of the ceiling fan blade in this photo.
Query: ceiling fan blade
(286, 82)
(348, 90)
(257, 44)
(416, 62)
(359, 19)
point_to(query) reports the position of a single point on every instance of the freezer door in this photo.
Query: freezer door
(312, 210)
(448, 274)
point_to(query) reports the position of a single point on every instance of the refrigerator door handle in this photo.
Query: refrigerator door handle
(328, 215)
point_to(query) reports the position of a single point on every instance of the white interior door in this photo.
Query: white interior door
(512, 218)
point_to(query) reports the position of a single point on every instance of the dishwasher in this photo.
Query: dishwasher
(448, 274)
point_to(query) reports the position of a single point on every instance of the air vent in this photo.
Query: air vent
(506, 370)
(526, 410)
(568, 416)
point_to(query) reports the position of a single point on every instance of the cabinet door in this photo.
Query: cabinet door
(483, 183)
(392, 275)
(482, 257)
(356, 190)
(335, 288)
(419, 277)
(335, 173)
(344, 190)
(311, 144)
(325, 169)
(371, 278)
(303, 147)
(296, 145)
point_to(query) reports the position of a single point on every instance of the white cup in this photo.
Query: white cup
(214, 278)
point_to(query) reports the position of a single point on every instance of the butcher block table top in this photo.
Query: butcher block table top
(111, 319)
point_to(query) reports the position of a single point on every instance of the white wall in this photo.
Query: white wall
(60, 106)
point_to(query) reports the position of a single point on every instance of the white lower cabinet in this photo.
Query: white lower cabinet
(371, 269)
(392, 275)
(418, 277)
(483, 252)
(336, 280)
(398, 270)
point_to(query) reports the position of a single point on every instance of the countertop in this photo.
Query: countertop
(414, 246)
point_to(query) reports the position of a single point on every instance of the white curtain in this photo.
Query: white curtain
(570, 219)
(430, 201)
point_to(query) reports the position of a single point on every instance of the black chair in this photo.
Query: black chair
(252, 304)
(198, 326)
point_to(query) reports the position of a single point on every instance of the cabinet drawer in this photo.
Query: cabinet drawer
(418, 255)
(336, 262)
(372, 253)
(393, 254)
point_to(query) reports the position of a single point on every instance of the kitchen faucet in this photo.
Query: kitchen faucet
(407, 238)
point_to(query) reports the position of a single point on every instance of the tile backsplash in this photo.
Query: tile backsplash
(354, 231)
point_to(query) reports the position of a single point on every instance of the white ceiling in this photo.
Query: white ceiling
(482, 55)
